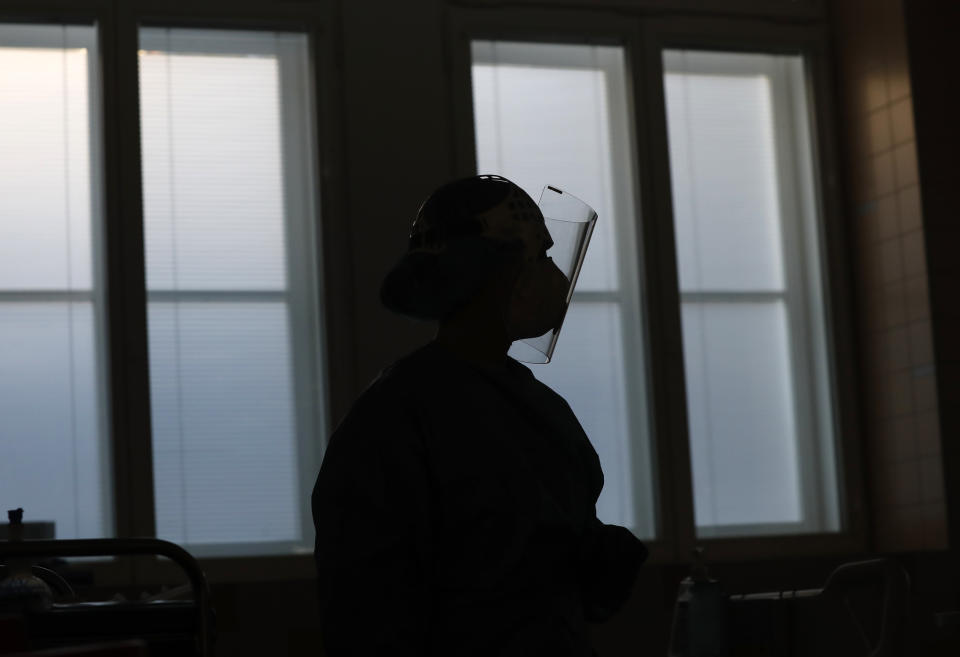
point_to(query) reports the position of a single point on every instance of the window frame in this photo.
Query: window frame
(329, 234)
(812, 42)
(636, 26)
(123, 258)
(632, 320)
(592, 28)
(644, 39)
(306, 329)
(797, 297)
(97, 294)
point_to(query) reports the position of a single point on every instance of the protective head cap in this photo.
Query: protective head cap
(466, 230)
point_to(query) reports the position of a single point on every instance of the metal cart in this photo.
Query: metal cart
(168, 627)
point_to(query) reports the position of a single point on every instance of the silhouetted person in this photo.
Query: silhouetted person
(455, 508)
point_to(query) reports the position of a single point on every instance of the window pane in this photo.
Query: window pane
(542, 118)
(741, 414)
(557, 114)
(588, 371)
(755, 344)
(53, 432)
(218, 413)
(228, 220)
(211, 156)
(722, 147)
(45, 172)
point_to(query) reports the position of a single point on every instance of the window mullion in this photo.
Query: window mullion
(657, 239)
(125, 279)
(735, 296)
(777, 144)
(298, 139)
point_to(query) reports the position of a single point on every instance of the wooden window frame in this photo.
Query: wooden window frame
(644, 36)
(118, 22)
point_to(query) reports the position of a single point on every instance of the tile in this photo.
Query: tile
(908, 208)
(875, 90)
(872, 392)
(879, 131)
(874, 350)
(896, 394)
(853, 84)
(886, 217)
(935, 526)
(852, 48)
(903, 529)
(893, 304)
(884, 535)
(887, 22)
(898, 71)
(896, 348)
(924, 385)
(861, 178)
(903, 483)
(905, 159)
(895, 440)
(882, 174)
(921, 343)
(914, 258)
(870, 264)
(891, 261)
(901, 121)
(871, 314)
(916, 298)
(931, 479)
(892, 535)
(867, 224)
(855, 129)
(857, 36)
(927, 437)
(861, 91)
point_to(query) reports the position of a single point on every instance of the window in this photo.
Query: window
(753, 357)
(233, 326)
(229, 205)
(557, 114)
(746, 222)
(54, 435)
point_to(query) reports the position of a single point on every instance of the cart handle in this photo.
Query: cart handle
(97, 547)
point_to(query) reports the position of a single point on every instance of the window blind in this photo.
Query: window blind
(557, 114)
(54, 433)
(234, 370)
(745, 220)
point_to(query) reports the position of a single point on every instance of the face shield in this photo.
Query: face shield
(570, 222)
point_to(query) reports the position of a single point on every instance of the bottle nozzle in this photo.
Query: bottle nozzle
(698, 571)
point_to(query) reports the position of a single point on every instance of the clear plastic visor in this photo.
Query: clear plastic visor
(570, 222)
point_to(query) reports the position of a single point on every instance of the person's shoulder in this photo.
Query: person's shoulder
(409, 377)
(397, 388)
(381, 416)
(525, 377)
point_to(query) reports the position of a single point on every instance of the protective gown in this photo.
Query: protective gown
(455, 515)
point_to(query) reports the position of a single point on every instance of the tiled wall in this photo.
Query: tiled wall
(901, 425)
(932, 36)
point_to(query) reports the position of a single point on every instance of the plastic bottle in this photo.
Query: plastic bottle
(700, 615)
